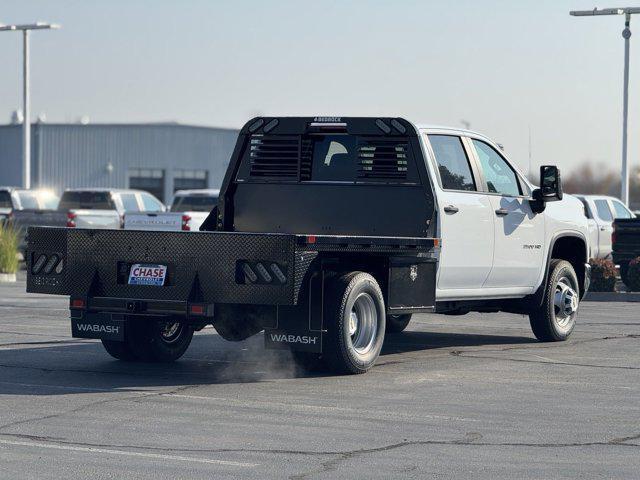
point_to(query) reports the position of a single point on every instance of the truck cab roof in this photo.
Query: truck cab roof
(198, 192)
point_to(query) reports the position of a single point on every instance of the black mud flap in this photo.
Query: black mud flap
(103, 326)
(299, 327)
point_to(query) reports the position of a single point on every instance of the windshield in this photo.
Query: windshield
(86, 201)
(194, 203)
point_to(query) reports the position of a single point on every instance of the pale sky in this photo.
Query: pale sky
(504, 66)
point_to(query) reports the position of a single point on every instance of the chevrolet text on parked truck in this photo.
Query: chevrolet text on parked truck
(328, 233)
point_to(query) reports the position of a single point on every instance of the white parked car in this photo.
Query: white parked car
(601, 211)
(189, 209)
(105, 207)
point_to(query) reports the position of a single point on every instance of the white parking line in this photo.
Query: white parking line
(124, 453)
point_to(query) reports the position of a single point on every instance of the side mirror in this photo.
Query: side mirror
(550, 188)
(550, 183)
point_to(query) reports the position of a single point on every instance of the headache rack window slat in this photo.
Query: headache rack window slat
(382, 159)
(274, 156)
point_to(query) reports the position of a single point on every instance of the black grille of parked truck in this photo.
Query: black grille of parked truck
(626, 244)
(323, 238)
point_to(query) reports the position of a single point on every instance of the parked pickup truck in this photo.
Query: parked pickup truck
(105, 208)
(189, 210)
(601, 211)
(330, 232)
(25, 208)
(626, 243)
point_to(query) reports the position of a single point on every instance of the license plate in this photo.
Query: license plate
(147, 274)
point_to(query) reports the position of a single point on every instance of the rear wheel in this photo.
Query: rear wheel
(119, 350)
(555, 319)
(397, 323)
(157, 340)
(355, 323)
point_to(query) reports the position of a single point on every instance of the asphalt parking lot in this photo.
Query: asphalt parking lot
(453, 397)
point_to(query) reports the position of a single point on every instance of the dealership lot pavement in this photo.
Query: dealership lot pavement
(453, 397)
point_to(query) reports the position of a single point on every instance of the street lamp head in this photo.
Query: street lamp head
(605, 11)
(31, 26)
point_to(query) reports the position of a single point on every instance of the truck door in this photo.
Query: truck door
(592, 225)
(466, 219)
(519, 233)
(605, 224)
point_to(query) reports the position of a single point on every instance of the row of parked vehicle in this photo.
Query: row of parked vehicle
(609, 219)
(104, 208)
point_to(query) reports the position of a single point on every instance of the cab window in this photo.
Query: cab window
(129, 202)
(28, 200)
(498, 174)
(602, 207)
(587, 210)
(453, 164)
(620, 210)
(5, 199)
(151, 204)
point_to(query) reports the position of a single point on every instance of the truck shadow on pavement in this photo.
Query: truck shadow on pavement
(64, 367)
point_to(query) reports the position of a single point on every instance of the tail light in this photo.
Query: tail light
(71, 220)
(613, 235)
(185, 222)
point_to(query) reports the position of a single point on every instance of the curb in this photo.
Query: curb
(611, 297)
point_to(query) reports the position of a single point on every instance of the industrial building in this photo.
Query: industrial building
(160, 158)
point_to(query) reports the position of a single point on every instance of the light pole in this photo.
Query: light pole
(26, 122)
(626, 34)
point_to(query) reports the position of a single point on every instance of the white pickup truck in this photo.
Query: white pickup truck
(29, 208)
(105, 208)
(188, 211)
(601, 211)
(328, 233)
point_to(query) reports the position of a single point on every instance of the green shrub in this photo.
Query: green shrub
(8, 249)
(633, 275)
(603, 275)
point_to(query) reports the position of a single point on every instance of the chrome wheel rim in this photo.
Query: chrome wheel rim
(565, 302)
(363, 323)
(170, 331)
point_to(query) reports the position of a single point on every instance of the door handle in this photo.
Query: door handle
(451, 209)
(501, 212)
(603, 229)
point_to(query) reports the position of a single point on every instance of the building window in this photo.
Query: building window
(148, 179)
(190, 179)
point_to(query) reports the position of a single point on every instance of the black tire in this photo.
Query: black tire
(397, 323)
(119, 350)
(355, 323)
(309, 362)
(152, 340)
(555, 319)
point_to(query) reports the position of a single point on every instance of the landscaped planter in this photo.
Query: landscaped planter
(8, 253)
(7, 277)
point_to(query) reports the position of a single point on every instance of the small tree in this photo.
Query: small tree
(8, 248)
(633, 275)
(603, 275)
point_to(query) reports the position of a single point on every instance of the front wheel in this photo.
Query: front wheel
(355, 323)
(555, 319)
